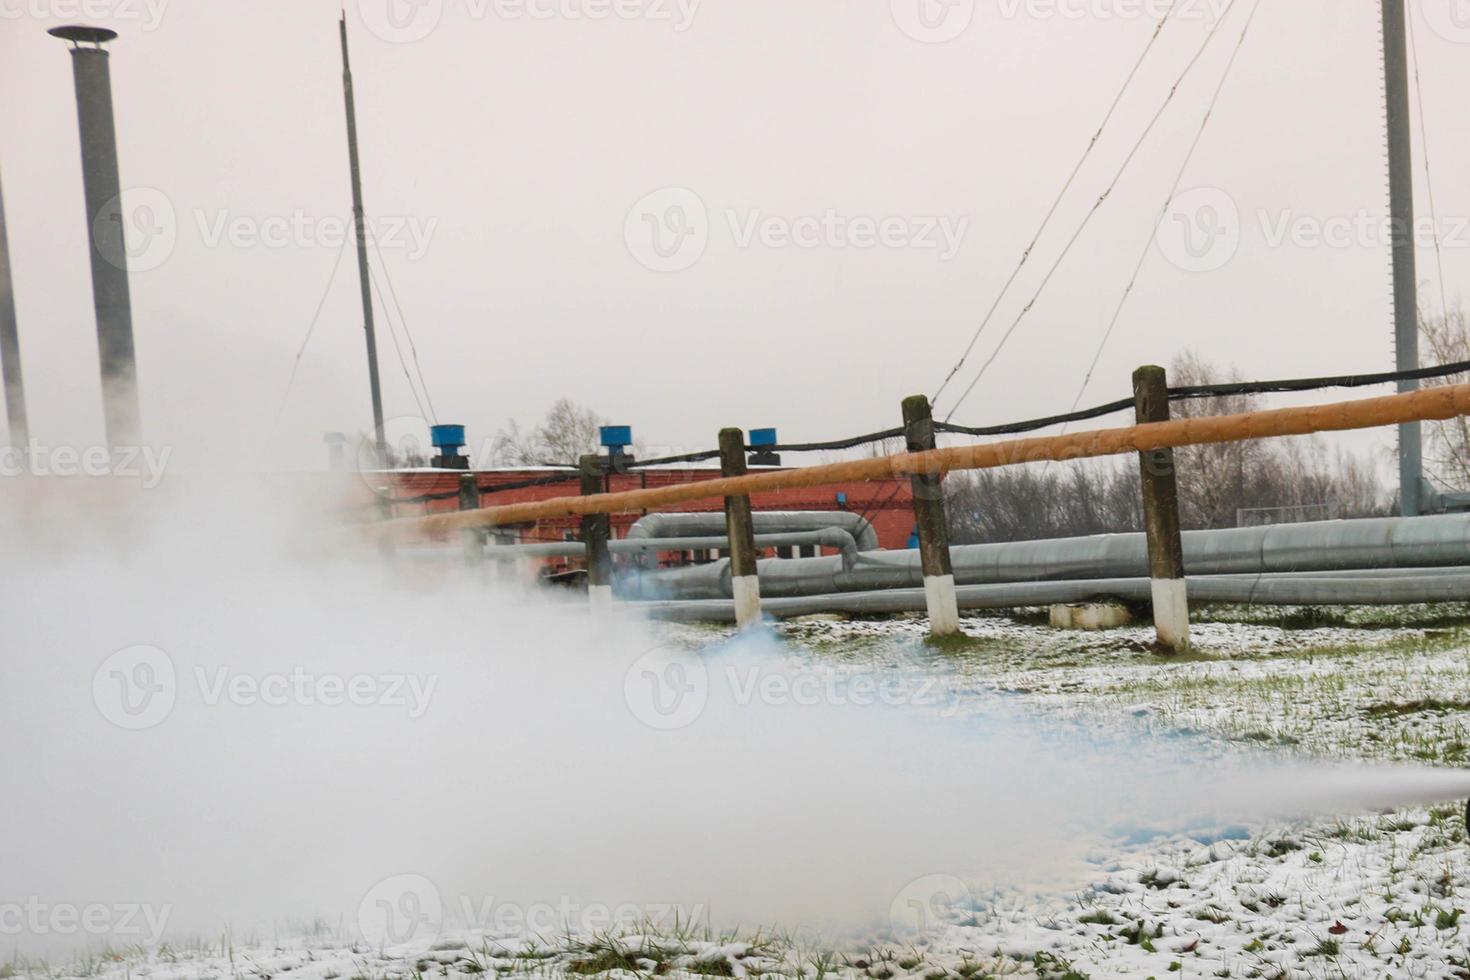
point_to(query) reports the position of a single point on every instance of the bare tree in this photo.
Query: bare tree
(1216, 482)
(1447, 448)
(567, 432)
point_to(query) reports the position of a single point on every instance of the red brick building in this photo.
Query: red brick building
(887, 504)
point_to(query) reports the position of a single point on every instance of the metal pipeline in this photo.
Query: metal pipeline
(830, 537)
(1374, 543)
(700, 523)
(1392, 587)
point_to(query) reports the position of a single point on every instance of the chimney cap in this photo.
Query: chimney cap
(80, 33)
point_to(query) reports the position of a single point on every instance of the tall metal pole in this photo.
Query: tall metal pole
(15, 388)
(1401, 225)
(379, 443)
(102, 189)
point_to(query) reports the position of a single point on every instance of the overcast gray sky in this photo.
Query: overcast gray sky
(696, 214)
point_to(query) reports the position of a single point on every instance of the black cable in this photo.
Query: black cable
(1010, 428)
(1312, 384)
(685, 458)
(1185, 392)
(808, 447)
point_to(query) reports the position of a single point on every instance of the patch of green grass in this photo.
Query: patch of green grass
(1420, 706)
(1325, 947)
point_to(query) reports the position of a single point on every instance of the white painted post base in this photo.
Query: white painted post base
(1171, 612)
(599, 597)
(747, 592)
(944, 607)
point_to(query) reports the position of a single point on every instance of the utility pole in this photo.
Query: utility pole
(929, 517)
(596, 530)
(1401, 228)
(106, 233)
(1160, 486)
(15, 388)
(362, 260)
(745, 583)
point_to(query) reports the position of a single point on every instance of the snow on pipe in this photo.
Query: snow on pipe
(701, 523)
(1370, 543)
(1387, 588)
(831, 537)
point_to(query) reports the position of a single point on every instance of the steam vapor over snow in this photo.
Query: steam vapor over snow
(229, 714)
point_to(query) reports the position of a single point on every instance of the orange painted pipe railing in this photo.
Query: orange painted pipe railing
(1424, 405)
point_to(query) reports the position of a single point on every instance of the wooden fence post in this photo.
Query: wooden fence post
(928, 490)
(595, 531)
(472, 538)
(1161, 515)
(739, 526)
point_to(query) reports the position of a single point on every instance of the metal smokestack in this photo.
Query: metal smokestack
(102, 189)
(15, 388)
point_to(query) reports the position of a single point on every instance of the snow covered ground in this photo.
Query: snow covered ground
(1338, 894)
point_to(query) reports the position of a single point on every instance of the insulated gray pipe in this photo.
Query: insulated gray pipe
(102, 189)
(1390, 542)
(701, 523)
(831, 537)
(1410, 585)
